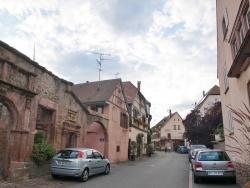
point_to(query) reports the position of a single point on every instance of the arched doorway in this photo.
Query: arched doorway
(96, 137)
(8, 118)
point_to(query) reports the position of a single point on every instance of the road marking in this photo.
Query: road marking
(190, 184)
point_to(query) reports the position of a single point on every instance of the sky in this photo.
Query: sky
(168, 45)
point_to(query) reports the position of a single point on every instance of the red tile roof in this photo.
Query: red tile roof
(95, 91)
(130, 91)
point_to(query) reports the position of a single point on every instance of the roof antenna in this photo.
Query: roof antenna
(100, 64)
(34, 53)
(116, 74)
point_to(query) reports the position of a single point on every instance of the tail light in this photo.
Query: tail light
(230, 164)
(197, 164)
(80, 154)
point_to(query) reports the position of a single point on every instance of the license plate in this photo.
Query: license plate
(215, 173)
(62, 162)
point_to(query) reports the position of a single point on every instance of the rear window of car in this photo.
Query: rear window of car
(213, 156)
(69, 154)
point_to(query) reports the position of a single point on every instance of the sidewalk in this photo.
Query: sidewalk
(45, 181)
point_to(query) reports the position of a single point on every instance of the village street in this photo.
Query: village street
(162, 170)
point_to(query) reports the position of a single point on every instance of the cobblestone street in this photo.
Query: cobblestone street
(43, 182)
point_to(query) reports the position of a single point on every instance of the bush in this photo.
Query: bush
(42, 149)
(42, 152)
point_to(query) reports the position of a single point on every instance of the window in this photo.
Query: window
(225, 77)
(179, 127)
(124, 120)
(97, 155)
(224, 25)
(169, 135)
(230, 119)
(98, 109)
(174, 127)
(241, 34)
(234, 48)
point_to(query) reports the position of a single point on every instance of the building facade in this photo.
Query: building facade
(168, 132)
(140, 116)
(33, 99)
(233, 47)
(109, 132)
(208, 100)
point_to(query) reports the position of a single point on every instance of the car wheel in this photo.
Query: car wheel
(85, 175)
(107, 169)
(233, 180)
(196, 179)
(54, 176)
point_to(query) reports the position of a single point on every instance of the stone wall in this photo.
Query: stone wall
(25, 87)
(242, 172)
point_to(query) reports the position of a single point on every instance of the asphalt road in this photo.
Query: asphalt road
(162, 170)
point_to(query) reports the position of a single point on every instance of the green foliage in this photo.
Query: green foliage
(42, 149)
(220, 131)
(39, 137)
(149, 137)
(133, 147)
(200, 129)
(139, 138)
(150, 149)
(42, 152)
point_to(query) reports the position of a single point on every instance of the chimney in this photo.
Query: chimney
(203, 93)
(170, 114)
(139, 85)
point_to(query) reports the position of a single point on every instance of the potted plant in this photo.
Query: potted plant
(133, 148)
(150, 150)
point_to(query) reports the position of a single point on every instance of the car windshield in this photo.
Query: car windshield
(213, 156)
(69, 154)
(198, 146)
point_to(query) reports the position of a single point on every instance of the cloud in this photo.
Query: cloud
(168, 45)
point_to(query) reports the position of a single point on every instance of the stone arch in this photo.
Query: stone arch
(97, 137)
(10, 110)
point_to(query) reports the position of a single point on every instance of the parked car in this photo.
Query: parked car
(191, 151)
(182, 149)
(79, 162)
(194, 154)
(213, 164)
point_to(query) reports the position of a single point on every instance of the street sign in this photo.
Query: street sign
(101, 139)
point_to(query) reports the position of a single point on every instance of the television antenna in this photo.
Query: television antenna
(116, 74)
(101, 58)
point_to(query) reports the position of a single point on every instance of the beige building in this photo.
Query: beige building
(168, 132)
(208, 100)
(233, 44)
(140, 115)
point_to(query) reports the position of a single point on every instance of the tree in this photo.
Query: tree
(200, 130)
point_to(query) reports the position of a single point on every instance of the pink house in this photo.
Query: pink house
(233, 47)
(109, 131)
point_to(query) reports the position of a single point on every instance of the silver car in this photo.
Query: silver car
(79, 162)
(213, 164)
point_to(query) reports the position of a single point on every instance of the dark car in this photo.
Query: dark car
(214, 164)
(182, 149)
